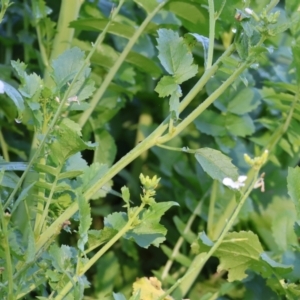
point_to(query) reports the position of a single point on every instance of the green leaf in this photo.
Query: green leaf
(211, 123)
(168, 86)
(149, 231)
(92, 175)
(244, 101)
(14, 95)
(240, 251)
(118, 296)
(106, 149)
(293, 185)
(205, 44)
(180, 258)
(240, 126)
(67, 65)
(98, 237)
(217, 165)
(296, 58)
(85, 221)
(174, 55)
(147, 5)
(95, 24)
(125, 194)
(67, 141)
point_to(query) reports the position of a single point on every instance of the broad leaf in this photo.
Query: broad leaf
(217, 165)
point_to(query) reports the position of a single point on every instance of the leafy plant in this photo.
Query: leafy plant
(79, 131)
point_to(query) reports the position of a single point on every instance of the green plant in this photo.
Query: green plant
(63, 211)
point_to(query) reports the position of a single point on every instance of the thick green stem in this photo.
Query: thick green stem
(93, 260)
(5, 245)
(212, 23)
(109, 77)
(63, 38)
(4, 147)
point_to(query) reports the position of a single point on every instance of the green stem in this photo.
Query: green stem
(41, 46)
(60, 108)
(5, 245)
(104, 85)
(93, 260)
(211, 210)
(175, 251)
(212, 23)
(4, 147)
(202, 259)
(43, 220)
(146, 144)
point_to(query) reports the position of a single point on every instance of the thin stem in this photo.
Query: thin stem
(4, 147)
(41, 46)
(92, 261)
(220, 11)
(211, 210)
(60, 108)
(212, 23)
(5, 244)
(112, 72)
(175, 251)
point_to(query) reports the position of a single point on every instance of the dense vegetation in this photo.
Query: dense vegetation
(149, 149)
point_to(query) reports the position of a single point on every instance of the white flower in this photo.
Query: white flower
(248, 10)
(235, 184)
(1, 87)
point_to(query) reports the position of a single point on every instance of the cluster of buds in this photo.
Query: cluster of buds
(257, 162)
(149, 185)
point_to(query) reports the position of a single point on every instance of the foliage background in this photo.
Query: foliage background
(130, 109)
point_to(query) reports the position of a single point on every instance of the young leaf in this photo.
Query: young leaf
(293, 180)
(149, 231)
(217, 165)
(174, 55)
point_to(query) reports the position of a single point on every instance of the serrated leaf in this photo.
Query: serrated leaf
(149, 231)
(167, 86)
(217, 165)
(66, 66)
(67, 141)
(174, 55)
(293, 185)
(85, 221)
